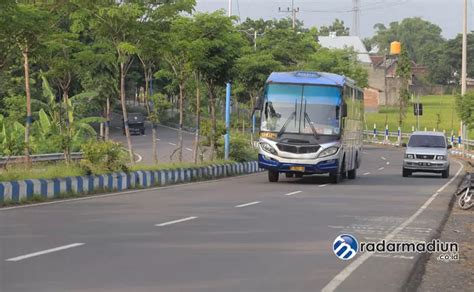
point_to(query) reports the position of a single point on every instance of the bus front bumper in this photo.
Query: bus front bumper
(326, 165)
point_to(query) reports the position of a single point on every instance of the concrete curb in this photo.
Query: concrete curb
(17, 191)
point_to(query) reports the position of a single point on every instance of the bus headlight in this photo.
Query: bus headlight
(268, 148)
(329, 151)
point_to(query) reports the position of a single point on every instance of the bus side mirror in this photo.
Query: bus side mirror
(344, 110)
(404, 144)
(450, 146)
(258, 104)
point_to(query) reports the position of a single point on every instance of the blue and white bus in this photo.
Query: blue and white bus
(311, 123)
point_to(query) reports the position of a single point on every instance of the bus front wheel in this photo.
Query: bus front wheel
(273, 176)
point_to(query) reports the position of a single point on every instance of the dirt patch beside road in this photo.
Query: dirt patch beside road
(455, 275)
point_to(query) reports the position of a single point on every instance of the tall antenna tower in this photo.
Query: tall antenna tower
(355, 18)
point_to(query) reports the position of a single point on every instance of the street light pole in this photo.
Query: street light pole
(227, 106)
(464, 131)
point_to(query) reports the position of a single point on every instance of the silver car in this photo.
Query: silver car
(426, 152)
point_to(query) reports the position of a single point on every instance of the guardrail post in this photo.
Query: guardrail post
(459, 141)
(413, 128)
(386, 134)
(375, 132)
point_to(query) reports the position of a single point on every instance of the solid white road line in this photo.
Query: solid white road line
(172, 144)
(35, 254)
(348, 270)
(322, 186)
(176, 221)
(158, 139)
(382, 168)
(293, 193)
(383, 158)
(248, 204)
(367, 173)
(189, 149)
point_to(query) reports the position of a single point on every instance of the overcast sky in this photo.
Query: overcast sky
(445, 13)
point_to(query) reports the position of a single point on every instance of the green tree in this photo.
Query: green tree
(221, 43)
(337, 26)
(178, 56)
(30, 24)
(98, 72)
(343, 62)
(465, 109)
(452, 57)
(252, 71)
(116, 23)
(404, 73)
(422, 40)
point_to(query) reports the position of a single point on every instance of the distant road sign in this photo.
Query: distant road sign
(418, 109)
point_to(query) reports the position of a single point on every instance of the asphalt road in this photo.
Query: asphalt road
(167, 142)
(235, 234)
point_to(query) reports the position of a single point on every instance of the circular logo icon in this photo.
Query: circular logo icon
(345, 246)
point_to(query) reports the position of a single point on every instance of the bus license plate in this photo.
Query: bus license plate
(297, 168)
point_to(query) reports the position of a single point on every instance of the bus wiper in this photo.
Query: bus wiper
(313, 129)
(283, 128)
(306, 117)
(292, 116)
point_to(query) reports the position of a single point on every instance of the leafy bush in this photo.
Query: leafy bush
(206, 131)
(102, 157)
(240, 148)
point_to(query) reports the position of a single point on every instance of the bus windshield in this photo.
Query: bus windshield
(305, 109)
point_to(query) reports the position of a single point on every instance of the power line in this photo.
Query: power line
(373, 6)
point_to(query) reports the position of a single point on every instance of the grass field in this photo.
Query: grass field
(433, 105)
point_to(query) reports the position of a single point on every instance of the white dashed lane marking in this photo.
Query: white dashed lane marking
(293, 193)
(176, 221)
(248, 204)
(38, 253)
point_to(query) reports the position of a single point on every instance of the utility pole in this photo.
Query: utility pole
(293, 12)
(355, 17)
(464, 68)
(227, 106)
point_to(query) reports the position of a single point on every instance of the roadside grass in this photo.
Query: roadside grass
(433, 105)
(61, 169)
(162, 166)
(41, 170)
